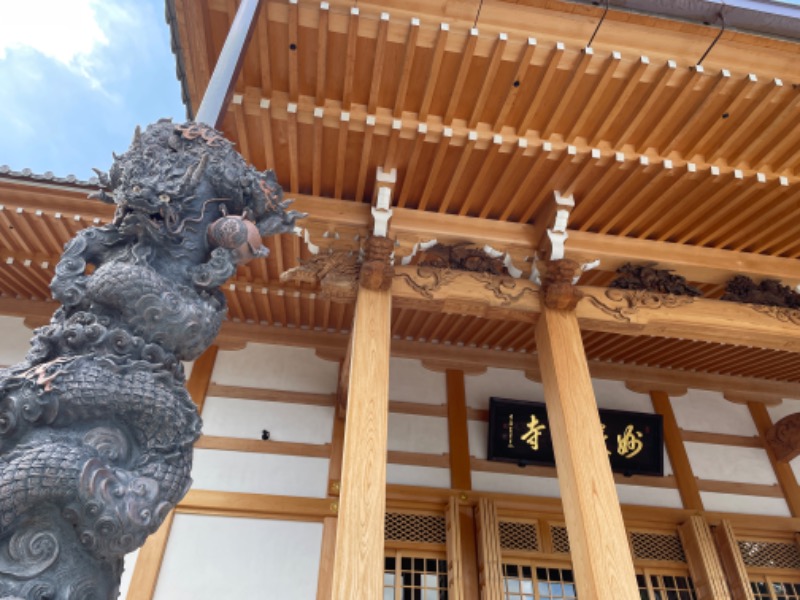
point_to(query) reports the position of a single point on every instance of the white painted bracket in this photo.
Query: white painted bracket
(558, 233)
(382, 210)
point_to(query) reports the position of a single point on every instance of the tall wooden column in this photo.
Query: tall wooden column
(601, 555)
(358, 562)
(704, 564)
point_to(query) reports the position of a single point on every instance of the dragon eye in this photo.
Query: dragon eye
(163, 198)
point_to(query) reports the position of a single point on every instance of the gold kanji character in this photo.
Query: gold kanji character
(535, 429)
(629, 444)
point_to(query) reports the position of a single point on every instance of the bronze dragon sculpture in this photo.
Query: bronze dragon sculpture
(96, 426)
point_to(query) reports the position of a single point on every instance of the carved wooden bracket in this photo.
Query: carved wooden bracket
(626, 303)
(558, 291)
(336, 274)
(784, 438)
(647, 277)
(377, 270)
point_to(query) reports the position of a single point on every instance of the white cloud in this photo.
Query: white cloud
(74, 34)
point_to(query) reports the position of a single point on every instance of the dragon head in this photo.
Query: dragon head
(175, 177)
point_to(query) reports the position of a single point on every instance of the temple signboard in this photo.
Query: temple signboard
(519, 432)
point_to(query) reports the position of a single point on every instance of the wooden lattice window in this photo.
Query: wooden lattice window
(519, 535)
(558, 533)
(526, 582)
(772, 588)
(408, 576)
(410, 527)
(777, 555)
(657, 546)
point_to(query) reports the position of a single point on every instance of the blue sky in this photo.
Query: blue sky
(77, 76)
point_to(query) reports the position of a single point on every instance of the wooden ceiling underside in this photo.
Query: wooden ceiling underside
(488, 125)
(37, 221)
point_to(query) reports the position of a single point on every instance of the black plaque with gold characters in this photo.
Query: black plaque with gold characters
(519, 432)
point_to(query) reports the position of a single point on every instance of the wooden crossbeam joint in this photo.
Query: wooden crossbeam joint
(377, 270)
(558, 290)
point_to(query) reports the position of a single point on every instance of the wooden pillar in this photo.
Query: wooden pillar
(327, 552)
(200, 379)
(148, 563)
(704, 564)
(732, 562)
(601, 555)
(455, 562)
(490, 566)
(461, 479)
(783, 472)
(687, 483)
(358, 563)
(329, 524)
(460, 473)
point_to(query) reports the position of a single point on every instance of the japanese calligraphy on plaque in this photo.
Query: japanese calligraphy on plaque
(519, 432)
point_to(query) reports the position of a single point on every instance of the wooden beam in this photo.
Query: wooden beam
(600, 551)
(678, 458)
(458, 433)
(200, 378)
(325, 576)
(148, 563)
(704, 265)
(358, 563)
(258, 446)
(261, 506)
(732, 563)
(630, 312)
(783, 471)
(704, 565)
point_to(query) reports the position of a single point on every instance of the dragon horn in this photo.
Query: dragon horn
(137, 136)
(200, 170)
(101, 176)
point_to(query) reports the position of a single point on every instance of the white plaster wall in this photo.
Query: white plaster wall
(713, 501)
(701, 410)
(527, 485)
(409, 381)
(187, 368)
(125, 582)
(214, 558)
(614, 395)
(418, 476)
(478, 432)
(648, 496)
(276, 367)
(416, 433)
(503, 383)
(260, 473)
(286, 422)
(784, 409)
(730, 463)
(16, 340)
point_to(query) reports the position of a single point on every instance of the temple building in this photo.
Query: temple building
(538, 337)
